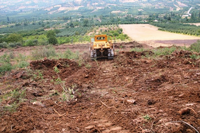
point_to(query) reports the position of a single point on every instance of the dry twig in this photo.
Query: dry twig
(105, 105)
(59, 113)
(187, 124)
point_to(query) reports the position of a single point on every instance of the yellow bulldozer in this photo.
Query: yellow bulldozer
(100, 47)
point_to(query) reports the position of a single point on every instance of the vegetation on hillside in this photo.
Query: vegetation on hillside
(24, 29)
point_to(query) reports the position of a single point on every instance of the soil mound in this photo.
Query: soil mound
(49, 64)
(129, 94)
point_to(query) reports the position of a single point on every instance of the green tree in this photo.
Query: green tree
(85, 22)
(8, 19)
(51, 33)
(53, 40)
(14, 38)
(71, 25)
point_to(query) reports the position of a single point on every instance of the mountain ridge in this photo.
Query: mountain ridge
(56, 6)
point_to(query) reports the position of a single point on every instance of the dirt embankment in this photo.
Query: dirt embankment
(130, 94)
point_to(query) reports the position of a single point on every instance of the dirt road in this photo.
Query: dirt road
(130, 94)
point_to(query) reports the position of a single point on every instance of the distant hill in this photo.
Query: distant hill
(55, 6)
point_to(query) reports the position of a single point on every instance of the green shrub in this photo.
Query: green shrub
(4, 67)
(46, 51)
(22, 64)
(71, 55)
(6, 57)
(3, 45)
(137, 49)
(43, 42)
(53, 40)
(14, 38)
(195, 47)
(29, 43)
(18, 44)
(35, 42)
(12, 45)
(18, 97)
(164, 51)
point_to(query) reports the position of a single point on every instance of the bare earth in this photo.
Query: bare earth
(130, 94)
(148, 34)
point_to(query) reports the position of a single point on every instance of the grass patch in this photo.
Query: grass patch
(195, 47)
(137, 49)
(164, 51)
(68, 54)
(71, 55)
(22, 64)
(5, 64)
(147, 117)
(16, 97)
(44, 52)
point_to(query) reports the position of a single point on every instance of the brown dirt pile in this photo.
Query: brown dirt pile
(129, 94)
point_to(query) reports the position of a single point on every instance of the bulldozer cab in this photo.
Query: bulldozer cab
(99, 38)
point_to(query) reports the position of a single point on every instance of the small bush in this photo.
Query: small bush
(53, 40)
(29, 43)
(18, 44)
(22, 64)
(164, 51)
(35, 42)
(43, 52)
(5, 58)
(43, 42)
(18, 96)
(71, 55)
(138, 49)
(195, 47)
(3, 45)
(4, 67)
(12, 45)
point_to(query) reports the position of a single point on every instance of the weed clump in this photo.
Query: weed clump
(195, 47)
(47, 51)
(5, 64)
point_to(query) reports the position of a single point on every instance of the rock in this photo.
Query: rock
(101, 125)
(186, 111)
(181, 95)
(89, 127)
(85, 85)
(86, 76)
(38, 104)
(170, 127)
(115, 128)
(37, 131)
(146, 131)
(108, 124)
(151, 102)
(197, 74)
(2, 129)
(106, 131)
(189, 131)
(131, 101)
(124, 131)
(190, 104)
(195, 82)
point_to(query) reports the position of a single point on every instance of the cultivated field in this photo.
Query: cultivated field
(150, 35)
